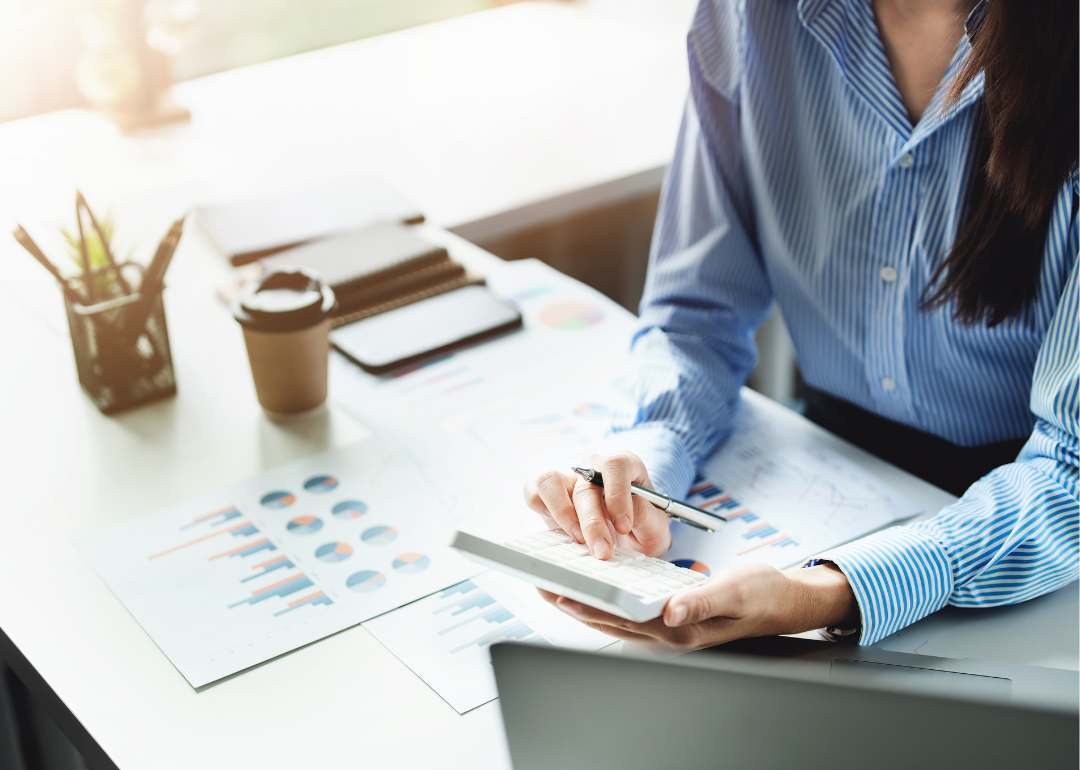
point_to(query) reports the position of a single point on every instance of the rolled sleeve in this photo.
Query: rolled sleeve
(898, 576)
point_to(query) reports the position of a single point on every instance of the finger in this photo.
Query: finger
(547, 596)
(587, 614)
(650, 633)
(652, 528)
(627, 636)
(712, 599)
(589, 504)
(553, 489)
(620, 470)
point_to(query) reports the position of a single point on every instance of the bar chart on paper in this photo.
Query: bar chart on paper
(444, 638)
(292, 557)
(786, 498)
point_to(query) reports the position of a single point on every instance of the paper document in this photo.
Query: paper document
(483, 418)
(786, 496)
(245, 574)
(444, 638)
(570, 332)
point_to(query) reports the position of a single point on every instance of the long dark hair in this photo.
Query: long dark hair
(1028, 130)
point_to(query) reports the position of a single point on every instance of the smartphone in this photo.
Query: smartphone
(431, 326)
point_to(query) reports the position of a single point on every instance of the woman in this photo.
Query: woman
(921, 241)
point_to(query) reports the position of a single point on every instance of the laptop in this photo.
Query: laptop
(784, 704)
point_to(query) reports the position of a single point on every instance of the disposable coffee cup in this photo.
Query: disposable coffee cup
(285, 316)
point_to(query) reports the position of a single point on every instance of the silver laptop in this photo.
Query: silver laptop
(783, 703)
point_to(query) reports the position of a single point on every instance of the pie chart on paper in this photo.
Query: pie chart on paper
(379, 535)
(571, 315)
(334, 552)
(320, 484)
(305, 525)
(411, 563)
(366, 581)
(349, 509)
(696, 566)
(278, 499)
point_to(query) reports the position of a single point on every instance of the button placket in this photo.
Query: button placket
(886, 329)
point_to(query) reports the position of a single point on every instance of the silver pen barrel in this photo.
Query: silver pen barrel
(677, 510)
(663, 502)
(695, 516)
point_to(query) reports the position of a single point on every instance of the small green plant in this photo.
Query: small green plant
(95, 249)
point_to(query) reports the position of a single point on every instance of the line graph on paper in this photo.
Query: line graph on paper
(820, 486)
(784, 502)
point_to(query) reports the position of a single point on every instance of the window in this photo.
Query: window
(41, 40)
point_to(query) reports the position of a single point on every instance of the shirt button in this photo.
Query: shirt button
(888, 274)
(888, 383)
(906, 160)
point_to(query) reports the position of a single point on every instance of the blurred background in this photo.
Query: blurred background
(44, 43)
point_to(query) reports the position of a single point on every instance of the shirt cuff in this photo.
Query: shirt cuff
(670, 468)
(898, 576)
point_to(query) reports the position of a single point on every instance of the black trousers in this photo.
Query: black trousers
(952, 467)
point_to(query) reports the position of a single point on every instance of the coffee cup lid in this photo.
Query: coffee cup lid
(283, 299)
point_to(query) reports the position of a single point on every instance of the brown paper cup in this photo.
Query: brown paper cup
(290, 367)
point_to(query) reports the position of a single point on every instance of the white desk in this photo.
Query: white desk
(67, 470)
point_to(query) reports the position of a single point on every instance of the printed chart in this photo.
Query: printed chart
(444, 638)
(553, 436)
(785, 496)
(248, 573)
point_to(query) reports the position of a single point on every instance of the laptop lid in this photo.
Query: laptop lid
(571, 710)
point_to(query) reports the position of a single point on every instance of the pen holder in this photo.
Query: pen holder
(122, 350)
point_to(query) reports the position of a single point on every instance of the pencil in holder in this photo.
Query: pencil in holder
(122, 349)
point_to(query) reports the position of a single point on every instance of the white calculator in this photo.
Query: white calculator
(629, 584)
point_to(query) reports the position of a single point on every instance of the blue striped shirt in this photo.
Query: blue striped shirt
(799, 178)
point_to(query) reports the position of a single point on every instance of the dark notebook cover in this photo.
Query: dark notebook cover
(357, 262)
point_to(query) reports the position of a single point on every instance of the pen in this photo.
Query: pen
(28, 243)
(675, 509)
(151, 285)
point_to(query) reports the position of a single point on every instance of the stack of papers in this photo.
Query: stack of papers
(235, 578)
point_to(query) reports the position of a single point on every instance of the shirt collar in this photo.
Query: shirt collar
(847, 29)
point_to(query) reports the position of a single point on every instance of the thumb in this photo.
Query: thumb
(697, 604)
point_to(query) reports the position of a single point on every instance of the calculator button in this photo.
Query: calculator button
(658, 562)
(553, 537)
(618, 558)
(602, 565)
(628, 554)
(619, 577)
(654, 588)
(667, 580)
(635, 570)
(520, 544)
(552, 555)
(567, 551)
(674, 575)
(652, 569)
(585, 565)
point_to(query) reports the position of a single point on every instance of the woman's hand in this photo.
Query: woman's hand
(602, 517)
(738, 602)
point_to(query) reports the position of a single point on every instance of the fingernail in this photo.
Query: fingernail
(678, 615)
(600, 546)
(576, 532)
(623, 524)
